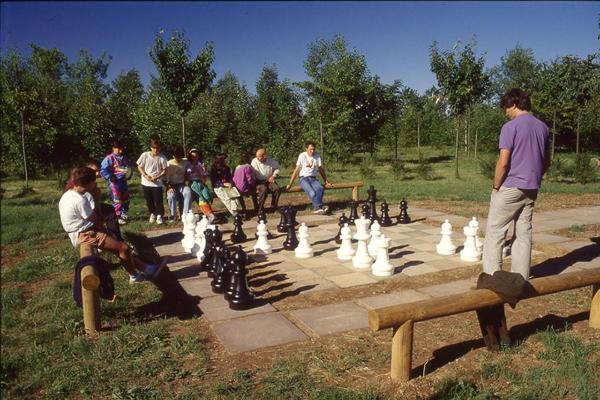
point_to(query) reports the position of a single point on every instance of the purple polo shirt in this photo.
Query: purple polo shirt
(527, 138)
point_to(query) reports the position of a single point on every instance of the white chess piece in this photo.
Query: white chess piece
(189, 240)
(262, 245)
(382, 266)
(446, 247)
(345, 252)
(373, 246)
(361, 259)
(469, 252)
(475, 224)
(304, 249)
(184, 219)
(200, 240)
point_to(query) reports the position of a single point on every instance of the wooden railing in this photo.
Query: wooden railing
(402, 317)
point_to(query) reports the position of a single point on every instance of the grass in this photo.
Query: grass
(46, 355)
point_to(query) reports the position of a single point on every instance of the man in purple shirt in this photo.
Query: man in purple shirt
(523, 159)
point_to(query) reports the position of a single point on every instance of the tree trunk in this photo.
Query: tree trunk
(476, 134)
(23, 147)
(456, 142)
(468, 129)
(396, 137)
(578, 126)
(322, 146)
(553, 136)
(419, 137)
(183, 134)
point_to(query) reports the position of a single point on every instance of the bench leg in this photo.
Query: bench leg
(595, 308)
(91, 299)
(355, 193)
(402, 343)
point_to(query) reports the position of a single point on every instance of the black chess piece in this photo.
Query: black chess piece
(230, 267)
(365, 210)
(238, 235)
(207, 253)
(403, 218)
(291, 241)
(372, 195)
(241, 297)
(282, 221)
(262, 216)
(220, 276)
(341, 222)
(217, 242)
(353, 212)
(385, 219)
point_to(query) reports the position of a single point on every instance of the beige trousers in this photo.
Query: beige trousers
(506, 205)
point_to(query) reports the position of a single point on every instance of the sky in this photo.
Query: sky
(395, 37)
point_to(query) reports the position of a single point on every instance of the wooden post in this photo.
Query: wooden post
(90, 296)
(595, 308)
(402, 343)
(355, 193)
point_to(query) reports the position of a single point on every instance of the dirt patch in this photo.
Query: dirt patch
(580, 231)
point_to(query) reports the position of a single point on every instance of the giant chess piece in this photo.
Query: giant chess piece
(218, 245)
(446, 247)
(304, 249)
(220, 277)
(361, 259)
(230, 267)
(262, 245)
(341, 222)
(372, 202)
(241, 298)
(365, 211)
(373, 246)
(403, 218)
(353, 212)
(382, 266)
(262, 216)
(473, 223)
(469, 252)
(200, 240)
(206, 257)
(189, 239)
(345, 252)
(385, 219)
(238, 235)
(282, 222)
(291, 241)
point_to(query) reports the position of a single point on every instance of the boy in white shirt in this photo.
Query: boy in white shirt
(83, 226)
(308, 165)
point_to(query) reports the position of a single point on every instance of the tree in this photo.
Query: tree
(517, 69)
(462, 81)
(184, 80)
(125, 97)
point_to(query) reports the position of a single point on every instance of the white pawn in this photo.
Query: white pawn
(262, 245)
(303, 250)
(375, 235)
(469, 252)
(446, 247)
(189, 240)
(200, 240)
(345, 252)
(382, 266)
(473, 223)
(361, 259)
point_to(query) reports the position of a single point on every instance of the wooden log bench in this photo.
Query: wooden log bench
(90, 295)
(402, 317)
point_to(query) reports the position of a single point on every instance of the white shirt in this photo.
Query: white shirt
(75, 209)
(153, 165)
(310, 165)
(264, 170)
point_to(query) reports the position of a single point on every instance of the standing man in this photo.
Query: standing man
(265, 171)
(524, 158)
(153, 166)
(308, 165)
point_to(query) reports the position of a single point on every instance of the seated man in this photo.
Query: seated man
(308, 164)
(83, 226)
(265, 171)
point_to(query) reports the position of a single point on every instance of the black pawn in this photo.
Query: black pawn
(365, 210)
(230, 267)
(385, 219)
(291, 241)
(282, 221)
(221, 277)
(341, 222)
(217, 242)
(238, 235)
(353, 212)
(403, 218)
(208, 250)
(241, 298)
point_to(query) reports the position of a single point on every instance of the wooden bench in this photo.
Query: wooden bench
(90, 295)
(340, 185)
(402, 317)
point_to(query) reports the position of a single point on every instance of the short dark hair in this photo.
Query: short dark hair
(178, 152)
(308, 143)
(244, 159)
(516, 97)
(83, 176)
(117, 144)
(220, 160)
(155, 143)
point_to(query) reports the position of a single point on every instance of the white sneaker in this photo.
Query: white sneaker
(137, 278)
(152, 218)
(159, 220)
(319, 211)
(122, 221)
(211, 218)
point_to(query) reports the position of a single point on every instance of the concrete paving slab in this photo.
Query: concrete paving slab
(423, 247)
(548, 239)
(391, 299)
(415, 270)
(333, 318)
(446, 264)
(256, 332)
(422, 256)
(331, 270)
(580, 244)
(446, 289)
(198, 287)
(351, 279)
(215, 308)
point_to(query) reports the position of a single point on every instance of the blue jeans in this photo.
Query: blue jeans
(314, 189)
(179, 195)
